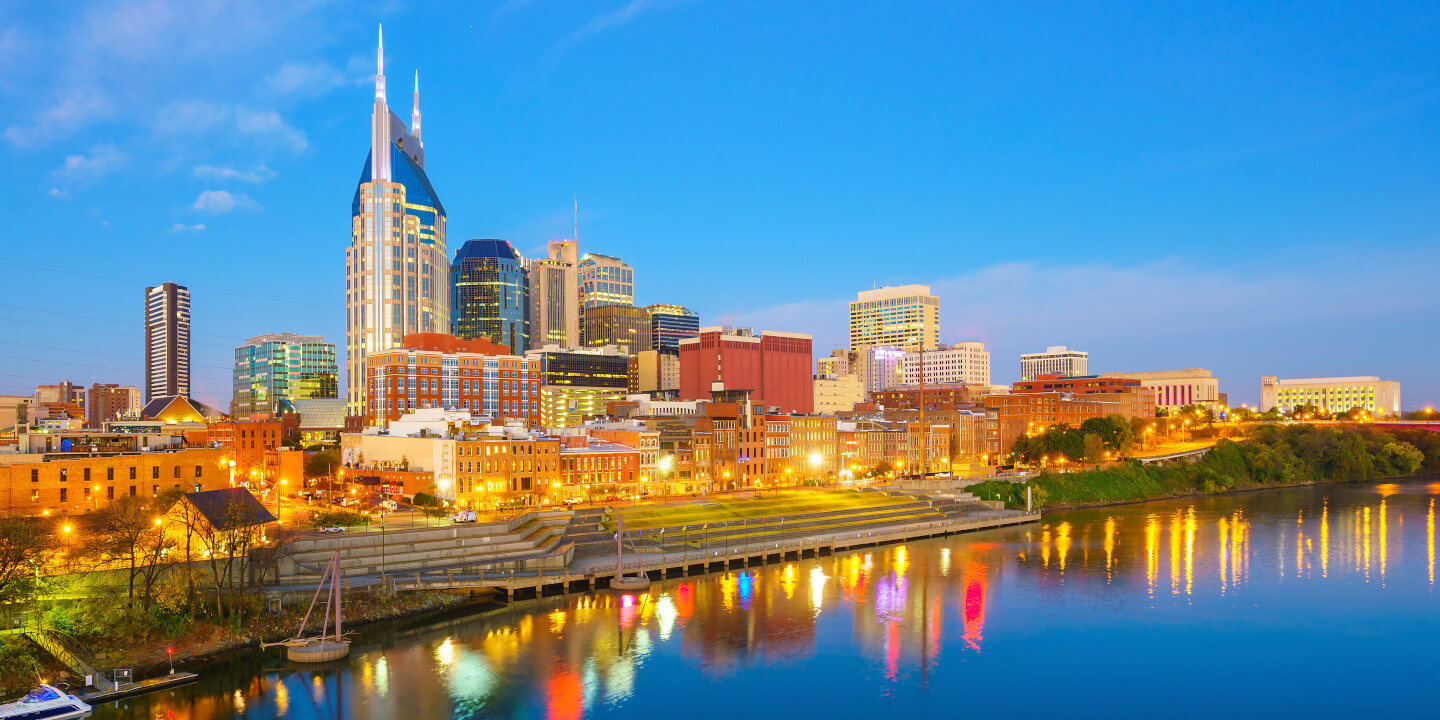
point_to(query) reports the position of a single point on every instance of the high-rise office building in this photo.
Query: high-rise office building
(272, 371)
(167, 341)
(669, 324)
(1056, 360)
(555, 296)
(905, 317)
(623, 325)
(489, 295)
(397, 268)
(604, 280)
(967, 363)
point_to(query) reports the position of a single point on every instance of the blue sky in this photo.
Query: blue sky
(1248, 187)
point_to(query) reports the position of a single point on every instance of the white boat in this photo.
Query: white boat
(44, 703)
(636, 583)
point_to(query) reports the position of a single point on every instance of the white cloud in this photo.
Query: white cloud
(181, 227)
(211, 172)
(102, 160)
(190, 117)
(626, 14)
(217, 202)
(77, 109)
(269, 123)
(305, 79)
(60, 193)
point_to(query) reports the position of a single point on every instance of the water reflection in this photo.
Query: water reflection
(876, 624)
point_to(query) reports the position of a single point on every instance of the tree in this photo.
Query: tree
(1402, 457)
(1094, 447)
(322, 464)
(132, 533)
(24, 545)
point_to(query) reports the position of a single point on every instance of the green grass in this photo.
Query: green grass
(760, 533)
(772, 504)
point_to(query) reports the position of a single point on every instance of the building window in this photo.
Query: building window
(197, 471)
(132, 472)
(132, 491)
(35, 495)
(110, 493)
(110, 473)
(154, 489)
(176, 472)
(34, 475)
(155, 473)
(87, 492)
(64, 492)
(64, 475)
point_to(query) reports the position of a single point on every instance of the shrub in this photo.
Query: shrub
(343, 518)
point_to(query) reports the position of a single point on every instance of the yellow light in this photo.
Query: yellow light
(67, 528)
(157, 521)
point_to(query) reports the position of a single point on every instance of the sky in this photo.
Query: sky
(1249, 187)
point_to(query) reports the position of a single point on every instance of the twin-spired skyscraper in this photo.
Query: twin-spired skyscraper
(397, 271)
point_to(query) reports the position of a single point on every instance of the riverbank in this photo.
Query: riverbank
(1275, 457)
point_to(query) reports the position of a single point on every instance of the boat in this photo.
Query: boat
(44, 703)
(637, 583)
(326, 646)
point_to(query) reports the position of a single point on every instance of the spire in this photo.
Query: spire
(380, 65)
(415, 114)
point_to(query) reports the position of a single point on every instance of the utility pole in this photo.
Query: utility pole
(924, 430)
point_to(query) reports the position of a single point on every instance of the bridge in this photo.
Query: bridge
(1428, 425)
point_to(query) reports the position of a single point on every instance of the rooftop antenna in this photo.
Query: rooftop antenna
(577, 220)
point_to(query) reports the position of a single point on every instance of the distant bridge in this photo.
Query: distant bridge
(1429, 425)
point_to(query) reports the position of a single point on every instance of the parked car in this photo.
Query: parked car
(464, 516)
(332, 529)
(390, 505)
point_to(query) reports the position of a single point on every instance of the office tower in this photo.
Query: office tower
(272, 371)
(773, 366)
(623, 325)
(604, 280)
(489, 295)
(1175, 389)
(1056, 360)
(167, 341)
(108, 401)
(903, 317)
(397, 267)
(669, 324)
(967, 363)
(555, 296)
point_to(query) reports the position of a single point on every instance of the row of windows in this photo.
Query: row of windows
(110, 473)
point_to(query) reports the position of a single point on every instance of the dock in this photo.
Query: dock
(140, 688)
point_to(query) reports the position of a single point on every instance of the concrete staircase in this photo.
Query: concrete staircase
(531, 541)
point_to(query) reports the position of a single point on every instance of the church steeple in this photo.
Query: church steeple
(415, 114)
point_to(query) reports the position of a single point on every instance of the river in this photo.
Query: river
(1316, 601)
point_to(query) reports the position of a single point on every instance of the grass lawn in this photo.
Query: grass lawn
(770, 504)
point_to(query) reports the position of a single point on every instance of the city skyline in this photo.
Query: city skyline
(263, 171)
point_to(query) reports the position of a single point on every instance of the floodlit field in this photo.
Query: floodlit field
(769, 504)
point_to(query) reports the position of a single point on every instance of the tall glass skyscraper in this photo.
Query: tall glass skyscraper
(167, 341)
(271, 371)
(397, 268)
(669, 324)
(490, 295)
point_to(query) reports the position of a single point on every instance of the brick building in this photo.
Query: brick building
(60, 484)
(773, 366)
(441, 371)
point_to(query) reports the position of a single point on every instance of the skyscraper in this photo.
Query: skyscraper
(167, 341)
(490, 296)
(617, 324)
(397, 268)
(604, 280)
(669, 324)
(555, 296)
(271, 371)
(903, 316)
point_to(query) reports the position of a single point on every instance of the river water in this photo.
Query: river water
(1298, 602)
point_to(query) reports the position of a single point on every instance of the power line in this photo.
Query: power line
(100, 319)
(136, 370)
(132, 335)
(249, 294)
(95, 352)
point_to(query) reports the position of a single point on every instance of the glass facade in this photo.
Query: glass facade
(624, 325)
(585, 369)
(669, 324)
(272, 371)
(490, 294)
